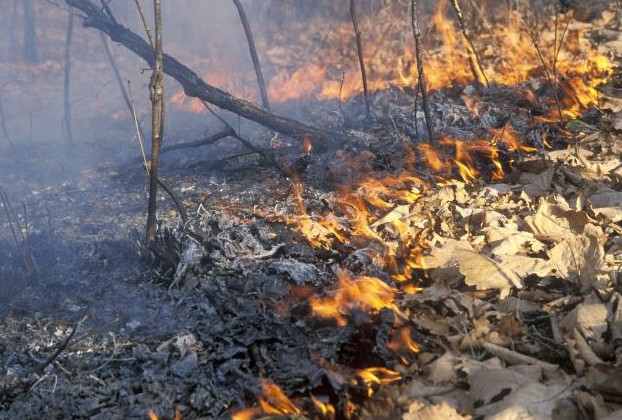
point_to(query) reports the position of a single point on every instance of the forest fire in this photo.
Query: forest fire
(333, 279)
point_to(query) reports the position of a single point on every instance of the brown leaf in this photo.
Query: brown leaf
(486, 273)
(579, 257)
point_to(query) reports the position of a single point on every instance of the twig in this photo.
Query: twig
(253, 52)
(227, 132)
(145, 24)
(474, 61)
(359, 48)
(422, 83)
(21, 242)
(106, 7)
(60, 348)
(67, 82)
(545, 67)
(515, 358)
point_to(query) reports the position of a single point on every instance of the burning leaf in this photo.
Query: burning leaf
(485, 273)
(366, 293)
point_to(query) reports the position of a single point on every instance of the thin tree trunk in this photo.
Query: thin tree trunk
(421, 74)
(30, 35)
(253, 52)
(359, 49)
(67, 129)
(156, 91)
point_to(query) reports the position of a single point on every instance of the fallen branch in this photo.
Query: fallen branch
(192, 84)
(253, 52)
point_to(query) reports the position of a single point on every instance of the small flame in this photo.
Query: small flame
(372, 378)
(326, 411)
(307, 145)
(271, 401)
(366, 293)
(153, 416)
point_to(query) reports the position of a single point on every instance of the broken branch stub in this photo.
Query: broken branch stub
(192, 84)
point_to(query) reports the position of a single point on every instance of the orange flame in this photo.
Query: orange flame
(326, 411)
(372, 378)
(271, 401)
(366, 293)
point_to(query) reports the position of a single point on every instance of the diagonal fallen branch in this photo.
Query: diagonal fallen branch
(192, 84)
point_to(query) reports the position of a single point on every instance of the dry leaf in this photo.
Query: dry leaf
(422, 410)
(554, 220)
(579, 257)
(486, 273)
(516, 243)
(507, 394)
(442, 370)
(537, 185)
(444, 255)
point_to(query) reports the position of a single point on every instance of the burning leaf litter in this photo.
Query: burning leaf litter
(478, 277)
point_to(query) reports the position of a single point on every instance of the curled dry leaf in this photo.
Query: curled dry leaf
(507, 394)
(537, 185)
(579, 258)
(486, 273)
(554, 220)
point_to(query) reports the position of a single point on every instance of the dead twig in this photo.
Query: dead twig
(552, 78)
(359, 49)
(143, 18)
(474, 61)
(414, 21)
(227, 132)
(253, 52)
(60, 348)
(124, 92)
(21, 241)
